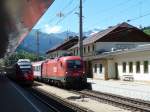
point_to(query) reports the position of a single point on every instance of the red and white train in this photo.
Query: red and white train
(66, 71)
(37, 67)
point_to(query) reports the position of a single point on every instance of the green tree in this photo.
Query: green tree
(21, 55)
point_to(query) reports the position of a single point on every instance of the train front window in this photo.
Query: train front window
(74, 64)
(25, 68)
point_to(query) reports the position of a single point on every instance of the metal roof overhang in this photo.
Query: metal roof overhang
(111, 55)
(17, 17)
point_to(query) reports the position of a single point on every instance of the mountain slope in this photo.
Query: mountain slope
(46, 41)
(147, 31)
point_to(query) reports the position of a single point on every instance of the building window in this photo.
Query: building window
(100, 68)
(33, 68)
(77, 51)
(137, 67)
(93, 47)
(145, 66)
(88, 48)
(95, 68)
(130, 67)
(84, 49)
(124, 67)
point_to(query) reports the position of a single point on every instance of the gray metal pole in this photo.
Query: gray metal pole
(81, 32)
(37, 43)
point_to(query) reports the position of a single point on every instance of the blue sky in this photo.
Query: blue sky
(97, 14)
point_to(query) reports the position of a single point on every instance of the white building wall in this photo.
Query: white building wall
(96, 74)
(134, 57)
(111, 69)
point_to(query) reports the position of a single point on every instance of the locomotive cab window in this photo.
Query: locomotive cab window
(74, 64)
(25, 67)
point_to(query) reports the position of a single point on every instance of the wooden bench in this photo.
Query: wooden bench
(127, 78)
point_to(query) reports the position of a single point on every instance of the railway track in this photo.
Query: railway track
(116, 100)
(112, 99)
(56, 103)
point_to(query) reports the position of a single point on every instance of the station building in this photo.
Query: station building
(133, 63)
(113, 53)
(62, 48)
(127, 64)
(98, 63)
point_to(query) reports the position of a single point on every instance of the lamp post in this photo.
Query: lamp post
(38, 44)
(81, 31)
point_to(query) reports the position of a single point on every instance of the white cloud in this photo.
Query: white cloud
(51, 29)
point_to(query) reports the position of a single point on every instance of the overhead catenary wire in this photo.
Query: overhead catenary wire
(107, 9)
(54, 16)
(139, 17)
(69, 13)
(64, 15)
(111, 9)
(125, 10)
(114, 6)
(69, 3)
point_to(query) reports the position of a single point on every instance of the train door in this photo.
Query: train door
(44, 70)
(116, 70)
(88, 69)
(41, 70)
(60, 70)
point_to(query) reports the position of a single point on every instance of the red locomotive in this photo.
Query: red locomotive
(67, 71)
(21, 72)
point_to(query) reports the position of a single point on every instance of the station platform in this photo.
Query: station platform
(132, 89)
(15, 99)
(76, 99)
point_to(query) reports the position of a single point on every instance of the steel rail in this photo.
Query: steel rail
(46, 97)
(117, 100)
(44, 102)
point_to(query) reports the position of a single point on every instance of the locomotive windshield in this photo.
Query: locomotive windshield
(74, 64)
(25, 68)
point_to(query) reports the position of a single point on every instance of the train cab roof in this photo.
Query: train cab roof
(37, 63)
(64, 58)
(23, 62)
(70, 58)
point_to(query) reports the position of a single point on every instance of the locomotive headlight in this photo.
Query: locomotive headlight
(26, 75)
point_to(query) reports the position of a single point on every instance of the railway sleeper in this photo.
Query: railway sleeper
(122, 103)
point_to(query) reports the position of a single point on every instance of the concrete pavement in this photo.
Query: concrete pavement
(133, 89)
(74, 98)
(13, 98)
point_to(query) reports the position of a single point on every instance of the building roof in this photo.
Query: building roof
(111, 54)
(114, 34)
(65, 45)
